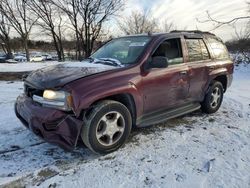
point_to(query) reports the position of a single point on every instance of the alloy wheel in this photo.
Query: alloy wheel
(110, 128)
(215, 97)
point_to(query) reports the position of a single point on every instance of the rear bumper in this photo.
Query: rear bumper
(52, 125)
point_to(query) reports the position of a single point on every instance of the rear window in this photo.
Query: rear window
(218, 48)
(197, 50)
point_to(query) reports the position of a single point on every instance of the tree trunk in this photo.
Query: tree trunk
(8, 51)
(60, 45)
(7, 47)
(86, 29)
(26, 48)
(78, 47)
(88, 48)
(82, 44)
(56, 45)
(60, 48)
(62, 51)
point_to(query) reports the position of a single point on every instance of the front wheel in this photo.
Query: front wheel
(107, 127)
(213, 98)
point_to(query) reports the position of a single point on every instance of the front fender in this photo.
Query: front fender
(89, 90)
(85, 101)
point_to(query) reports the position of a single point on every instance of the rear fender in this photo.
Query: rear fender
(212, 76)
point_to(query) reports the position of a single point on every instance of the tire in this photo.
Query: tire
(107, 127)
(213, 98)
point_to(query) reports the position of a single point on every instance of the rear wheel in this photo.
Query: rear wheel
(213, 98)
(107, 127)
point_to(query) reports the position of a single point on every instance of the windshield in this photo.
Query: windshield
(125, 50)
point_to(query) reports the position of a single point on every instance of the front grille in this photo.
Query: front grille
(30, 91)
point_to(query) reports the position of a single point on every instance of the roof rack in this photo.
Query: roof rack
(192, 31)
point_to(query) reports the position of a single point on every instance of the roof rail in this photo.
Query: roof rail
(192, 31)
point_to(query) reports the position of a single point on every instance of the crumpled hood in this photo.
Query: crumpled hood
(59, 75)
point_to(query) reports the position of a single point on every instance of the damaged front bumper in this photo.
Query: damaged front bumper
(52, 125)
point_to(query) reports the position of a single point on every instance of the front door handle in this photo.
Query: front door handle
(183, 73)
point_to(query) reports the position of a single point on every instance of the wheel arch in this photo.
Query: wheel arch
(124, 98)
(223, 80)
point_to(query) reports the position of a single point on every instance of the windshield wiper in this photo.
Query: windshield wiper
(92, 60)
(109, 61)
(115, 61)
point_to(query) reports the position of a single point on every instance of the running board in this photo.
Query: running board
(159, 117)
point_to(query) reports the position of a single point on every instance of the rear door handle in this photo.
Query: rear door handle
(183, 73)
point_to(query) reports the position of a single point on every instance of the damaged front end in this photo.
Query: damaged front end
(53, 125)
(47, 108)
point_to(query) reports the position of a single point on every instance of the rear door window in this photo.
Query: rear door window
(197, 50)
(204, 50)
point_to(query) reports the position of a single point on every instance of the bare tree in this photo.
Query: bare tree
(20, 18)
(61, 30)
(243, 39)
(138, 22)
(168, 26)
(71, 9)
(5, 35)
(50, 20)
(94, 14)
(242, 35)
(219, 23)
(87, 18)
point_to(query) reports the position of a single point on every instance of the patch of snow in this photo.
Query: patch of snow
(23, 67)
(27, 66)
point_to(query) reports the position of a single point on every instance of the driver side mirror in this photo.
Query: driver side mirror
(159, 62)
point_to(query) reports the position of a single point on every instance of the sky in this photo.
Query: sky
(184, 13)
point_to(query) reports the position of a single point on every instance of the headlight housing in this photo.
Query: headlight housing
(54, 95)
(55, 99)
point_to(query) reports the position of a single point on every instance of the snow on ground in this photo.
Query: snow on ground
(26, 66)
(196, 150)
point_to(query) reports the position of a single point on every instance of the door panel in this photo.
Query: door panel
(165, 88)
(198, 57)
(198, 76)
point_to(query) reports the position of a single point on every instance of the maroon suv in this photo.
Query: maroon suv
(131, 81)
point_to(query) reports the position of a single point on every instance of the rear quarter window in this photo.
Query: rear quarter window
(218, 48)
